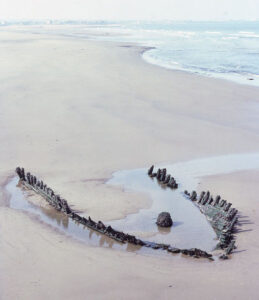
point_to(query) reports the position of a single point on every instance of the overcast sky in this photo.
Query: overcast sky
(130, 9)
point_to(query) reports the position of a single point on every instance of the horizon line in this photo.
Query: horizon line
(118, 20)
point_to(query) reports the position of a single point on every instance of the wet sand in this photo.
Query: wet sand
(74, 111)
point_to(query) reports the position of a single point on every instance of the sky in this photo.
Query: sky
(130, 9)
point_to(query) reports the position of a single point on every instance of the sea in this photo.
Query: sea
(228, 50)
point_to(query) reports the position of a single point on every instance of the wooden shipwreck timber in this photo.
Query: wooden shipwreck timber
(30, 181)
(163, 178)
(220, 215)
(218, 212)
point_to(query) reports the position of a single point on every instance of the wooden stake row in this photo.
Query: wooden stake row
(60, 204)
(162, 177)
(220, 215)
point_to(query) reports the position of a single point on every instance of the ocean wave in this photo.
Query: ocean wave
(185, 34)
(237, 73)
(213, 32)
(245, 34)
(213, 49)
(229, 38)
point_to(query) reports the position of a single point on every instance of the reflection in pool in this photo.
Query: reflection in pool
(190, 229)
(19, 199)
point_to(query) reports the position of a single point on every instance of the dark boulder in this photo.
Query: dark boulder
(164, 220)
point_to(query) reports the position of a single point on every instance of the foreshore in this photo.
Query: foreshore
(74, 111)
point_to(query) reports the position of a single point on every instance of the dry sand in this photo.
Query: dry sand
(74, 111)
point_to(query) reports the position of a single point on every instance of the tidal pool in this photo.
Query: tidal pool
(191, 229)
(19, 198)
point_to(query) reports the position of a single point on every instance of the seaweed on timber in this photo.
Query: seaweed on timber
(218, 211)
(220, 215)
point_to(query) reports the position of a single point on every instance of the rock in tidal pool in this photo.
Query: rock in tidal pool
(164, 220)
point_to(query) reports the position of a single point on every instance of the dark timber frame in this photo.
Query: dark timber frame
(31, 182)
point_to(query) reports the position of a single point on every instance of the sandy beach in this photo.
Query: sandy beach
(73, 111)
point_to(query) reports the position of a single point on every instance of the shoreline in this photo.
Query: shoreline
(142, 50)
(185, 71)
(75, 110)
(221, 76)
